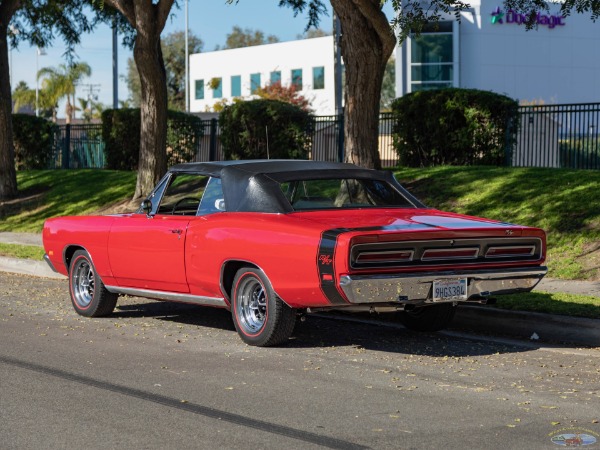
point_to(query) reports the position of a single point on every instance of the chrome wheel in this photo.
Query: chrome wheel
(260, 318)
(83, 283)
(252, 302)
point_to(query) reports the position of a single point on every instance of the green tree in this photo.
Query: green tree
(287, 94)
(173, 49)
(247, 37)
(314, 33)
(367, 42)
(144, 21)
(23, 97)
(59, 82)
(37, 22)
(91, 108)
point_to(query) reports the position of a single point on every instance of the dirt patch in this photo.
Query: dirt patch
(120, 207)
(590, 260)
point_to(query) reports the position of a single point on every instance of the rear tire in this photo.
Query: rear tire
(428, 318)
(261, 319)
(89, 296)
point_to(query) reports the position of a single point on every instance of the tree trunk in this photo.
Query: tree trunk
(367, 43)
(8, 174)
(153, 133)
(148, 18)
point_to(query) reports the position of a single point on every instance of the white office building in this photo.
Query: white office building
(226, 74)
(490, 49)
(556, 62)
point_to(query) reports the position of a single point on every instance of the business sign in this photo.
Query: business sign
(550, 21)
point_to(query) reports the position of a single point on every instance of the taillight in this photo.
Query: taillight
(507, 252)
(384, 257)
(436, 254)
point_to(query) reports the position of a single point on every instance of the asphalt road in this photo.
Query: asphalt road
(164, 375)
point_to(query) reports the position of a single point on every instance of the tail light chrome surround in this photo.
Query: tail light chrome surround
(445, 252)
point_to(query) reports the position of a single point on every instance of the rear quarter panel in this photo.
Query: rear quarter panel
(285, 248)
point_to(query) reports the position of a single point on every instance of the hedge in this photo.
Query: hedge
(34, 141)
(453, 127)
(121, 133)
(261, 129)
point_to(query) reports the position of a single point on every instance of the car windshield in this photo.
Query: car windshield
(342, 193)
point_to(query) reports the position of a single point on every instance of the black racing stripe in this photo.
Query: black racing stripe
(326, 265)
(326, 256)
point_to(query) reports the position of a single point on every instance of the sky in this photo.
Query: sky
(211, 20)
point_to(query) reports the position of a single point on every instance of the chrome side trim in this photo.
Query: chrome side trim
(408, 288)
(171, 296)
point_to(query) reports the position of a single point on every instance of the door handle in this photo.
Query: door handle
(176, 231)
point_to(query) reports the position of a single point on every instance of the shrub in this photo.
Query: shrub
(454, 127)
(34, 141)
(264, 129)
(121, 133)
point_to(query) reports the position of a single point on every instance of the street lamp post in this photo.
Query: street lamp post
(187, 62)
(39, 52)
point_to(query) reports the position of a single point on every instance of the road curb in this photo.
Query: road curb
(28, 267)
(523, 325)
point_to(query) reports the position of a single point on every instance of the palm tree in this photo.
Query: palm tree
(60, 82)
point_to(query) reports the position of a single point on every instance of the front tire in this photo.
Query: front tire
(89, 296)
(428, 318)
(261, 319)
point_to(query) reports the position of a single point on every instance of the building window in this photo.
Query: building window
(236, 86)
(319, 77)
(199, 85)
(297, 79)
(432, 58)
(216, 85)
(254, 82)
(275, 77)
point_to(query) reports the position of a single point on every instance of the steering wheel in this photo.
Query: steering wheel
(193, 201)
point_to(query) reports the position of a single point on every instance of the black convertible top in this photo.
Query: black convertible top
(253, 185)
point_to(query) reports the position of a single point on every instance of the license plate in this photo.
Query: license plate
(450, 290)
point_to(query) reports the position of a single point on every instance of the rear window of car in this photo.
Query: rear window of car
(341, 193)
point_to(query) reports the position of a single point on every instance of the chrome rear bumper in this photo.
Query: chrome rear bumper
(411, 288)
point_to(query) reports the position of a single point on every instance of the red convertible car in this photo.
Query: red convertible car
(272, 240)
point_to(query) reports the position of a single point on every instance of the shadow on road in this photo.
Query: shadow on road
(328, 331)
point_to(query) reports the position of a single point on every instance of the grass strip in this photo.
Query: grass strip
(21, 251)
(574, 305)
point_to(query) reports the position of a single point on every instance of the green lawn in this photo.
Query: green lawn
(51, 193)
(565, 203)
(21, 251)
(552, 303)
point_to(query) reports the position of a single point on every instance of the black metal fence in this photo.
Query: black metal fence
(558, 136)
(548, 136)
(78, 147)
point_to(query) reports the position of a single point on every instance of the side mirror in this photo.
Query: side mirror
(146, 207)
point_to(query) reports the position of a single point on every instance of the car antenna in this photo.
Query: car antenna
(267, 134)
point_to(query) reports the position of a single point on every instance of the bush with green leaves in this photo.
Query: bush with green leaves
(261, 129)
(121, 133)
(34, 139)
(453, 127)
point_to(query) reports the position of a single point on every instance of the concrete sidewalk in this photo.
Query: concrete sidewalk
(574, 330)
